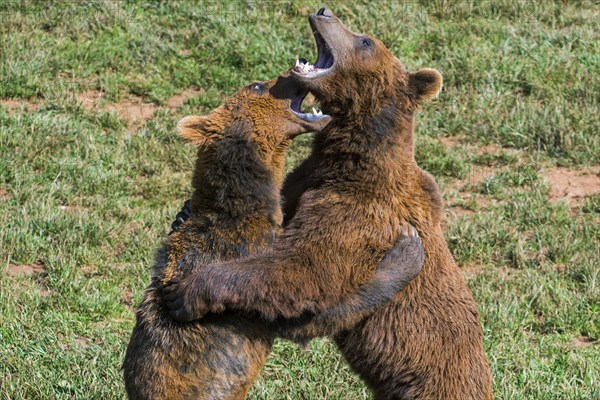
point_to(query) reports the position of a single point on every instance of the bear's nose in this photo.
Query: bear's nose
(321, 11)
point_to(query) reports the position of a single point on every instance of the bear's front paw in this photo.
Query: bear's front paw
(409, 245)
(175, 295)
(404, 260)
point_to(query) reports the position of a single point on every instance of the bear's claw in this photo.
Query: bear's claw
(182, 216)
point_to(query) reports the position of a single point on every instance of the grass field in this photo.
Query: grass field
(92, 173)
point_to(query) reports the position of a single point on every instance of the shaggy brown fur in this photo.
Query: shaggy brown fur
(344, 207)
(427, 344)
(235, 211)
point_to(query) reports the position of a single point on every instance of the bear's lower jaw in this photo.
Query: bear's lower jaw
(314, 121)
(315, 116)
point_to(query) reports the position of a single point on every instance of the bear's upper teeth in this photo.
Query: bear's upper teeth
(304, 67)
(307, 69)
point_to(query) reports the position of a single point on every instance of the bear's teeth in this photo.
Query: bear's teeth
(304, 66)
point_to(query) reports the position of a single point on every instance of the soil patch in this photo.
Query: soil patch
(459, 197)
(126, 296)
(178, 100)
(14, 105)
(491, 148)
(83, 341)
(133, 109)
(450, 142)
(583, 341)
(571, 184)
(44, 290)
(24, 269)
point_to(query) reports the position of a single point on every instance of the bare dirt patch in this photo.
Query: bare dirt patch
(461, 200)
(3, 193)
(89, 270)
(178, 100)
(126, 296)
(450, 142)
(14, 105)
(82, 341)
(491, 148)
(583, 341)
(132, 109)
(89, 97)
(135, 111)
(44, 290)
(571, 184)
(461, 204)
(24, 269)
(35, 270)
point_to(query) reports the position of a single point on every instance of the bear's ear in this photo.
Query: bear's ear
(195, 130)
(426, 83)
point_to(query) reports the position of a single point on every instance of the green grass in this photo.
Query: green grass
(89, 199)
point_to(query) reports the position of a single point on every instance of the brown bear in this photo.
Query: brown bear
(343, 208)
(235, 211)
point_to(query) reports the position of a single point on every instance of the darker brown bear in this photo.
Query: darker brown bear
(235, 211)
(344, 206)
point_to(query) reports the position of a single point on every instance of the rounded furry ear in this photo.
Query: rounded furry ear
(426, 83)
(194, 129)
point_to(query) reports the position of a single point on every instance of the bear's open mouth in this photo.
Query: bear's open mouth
(324, 61)
(296, 105)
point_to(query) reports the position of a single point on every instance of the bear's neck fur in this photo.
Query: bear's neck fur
(234, 185)
(379, 118)
(235, 205)
(374, 152)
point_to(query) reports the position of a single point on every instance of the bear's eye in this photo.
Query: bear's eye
(257, 87)
(366, 42)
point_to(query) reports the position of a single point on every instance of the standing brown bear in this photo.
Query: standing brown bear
(235, 211)
(344, 206)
